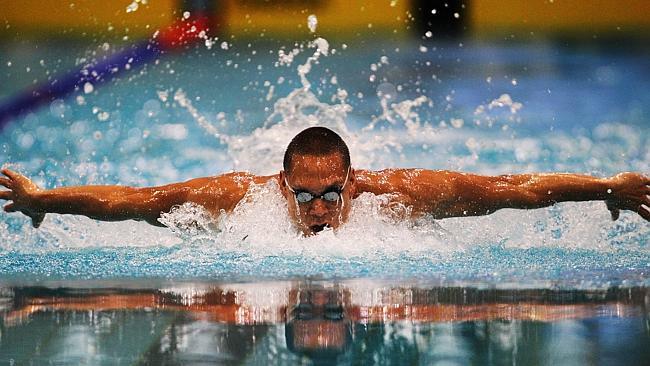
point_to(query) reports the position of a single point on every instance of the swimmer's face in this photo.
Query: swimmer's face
(318, 175)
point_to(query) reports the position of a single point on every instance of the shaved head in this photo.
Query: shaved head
(316, 141)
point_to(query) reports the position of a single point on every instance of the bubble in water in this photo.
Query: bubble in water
(88, 87)
(186, 15)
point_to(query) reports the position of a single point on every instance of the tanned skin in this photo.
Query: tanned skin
(440, 194)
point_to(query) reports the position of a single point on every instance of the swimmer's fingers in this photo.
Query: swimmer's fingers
(16, 177)
(5, 182)
(18, 183)
(9, 173)
(6, 195)
(613, 210)
(644, 211)
(37, 219)
(10, 207)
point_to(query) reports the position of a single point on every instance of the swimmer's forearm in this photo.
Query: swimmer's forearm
(109, 203)
(528, 191)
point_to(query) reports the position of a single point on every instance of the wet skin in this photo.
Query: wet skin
(437, 193)
(318, 175)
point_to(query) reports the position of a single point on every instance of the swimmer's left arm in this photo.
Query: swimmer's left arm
(452, 194)
(471, 195)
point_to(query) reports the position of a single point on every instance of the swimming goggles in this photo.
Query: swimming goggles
(329, 196)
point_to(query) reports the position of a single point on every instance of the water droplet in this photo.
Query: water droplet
(103, 116)
(312, 22)
(132, 7)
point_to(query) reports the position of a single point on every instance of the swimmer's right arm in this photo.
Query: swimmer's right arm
(115, 203)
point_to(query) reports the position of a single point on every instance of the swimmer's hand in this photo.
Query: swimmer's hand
(22, 192)
(630, 191)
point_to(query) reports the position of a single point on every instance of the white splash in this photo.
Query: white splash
(135, 5)
(312, 23)
(260, 226)
(322, 48)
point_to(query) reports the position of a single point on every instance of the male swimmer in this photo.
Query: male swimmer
(319, 185)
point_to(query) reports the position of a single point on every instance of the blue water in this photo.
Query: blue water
(584, 108)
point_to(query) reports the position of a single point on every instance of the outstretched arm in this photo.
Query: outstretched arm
(451, 194)
(114, 203)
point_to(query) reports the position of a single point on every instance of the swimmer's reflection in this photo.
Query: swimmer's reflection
(317, 326)
(319, 319)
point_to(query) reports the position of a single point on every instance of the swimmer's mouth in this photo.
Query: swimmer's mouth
(317, 228)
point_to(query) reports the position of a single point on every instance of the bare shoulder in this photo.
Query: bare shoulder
(223, 192)
(400, 180)
(422, 189)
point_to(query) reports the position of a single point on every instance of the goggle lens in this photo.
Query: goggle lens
(331, 196)
(304, 197)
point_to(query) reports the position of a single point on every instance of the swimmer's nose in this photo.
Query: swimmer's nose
(318, 208)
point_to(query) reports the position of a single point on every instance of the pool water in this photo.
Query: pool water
(130, 293)
(311, 321)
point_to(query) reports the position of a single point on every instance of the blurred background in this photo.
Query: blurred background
(102, 20)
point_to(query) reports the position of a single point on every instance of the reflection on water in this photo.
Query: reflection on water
(307, 321)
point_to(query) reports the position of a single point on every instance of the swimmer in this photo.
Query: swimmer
(319, 185)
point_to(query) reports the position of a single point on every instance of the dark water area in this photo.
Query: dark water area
(306, 321)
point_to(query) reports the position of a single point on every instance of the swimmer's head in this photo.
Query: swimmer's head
(318, 324)
(317, 180)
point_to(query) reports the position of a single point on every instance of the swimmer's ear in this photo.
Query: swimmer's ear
(283, 183)
(353, 181)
